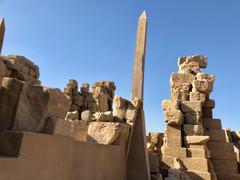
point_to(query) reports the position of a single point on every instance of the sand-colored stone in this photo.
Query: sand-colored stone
(2, 32)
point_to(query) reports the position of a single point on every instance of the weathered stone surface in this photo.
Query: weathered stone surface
(139, 59)
(189, 68)
(202, 60)
(22, 69)
(153, 162)
(196, 139)
(216, 135)
(205, 77)
(72, 116)
(31, 110)
(104, 116)
(207, 113)
(198, 153)
(191, 130)
(181, 78)
(103, 132)
(225, 166)
(168, 105)
(86, 116)
(58, 104)
(196, 96)
(188, 106)
(212, 123)
(2, 32)
(4, 72)
(75, 129)
(9, 96)
(177, 174)
(202, 86)
(174, 117)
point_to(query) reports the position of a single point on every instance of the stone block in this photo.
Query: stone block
(179, 96)
(174, 117)
(200, 59)
(78, 100)
(181, 78)
(168, 105)
(103, 104)
(153, 162)
(204, 87)
(174, 152)
(173, 136)
(104, 116)
(212, 123)
(196, 139)
(224, 146)
(205, 77)
(86, 116)
(210, 104)
(193, 117)
(225, 166)
(188, 106)
(189, 68)
(197, 96)
(216, 135)
(196, 164)
(197, 175)
(107, 132)
(227, 176)
(191, 130)
(207, 113)
(9, 96)
(224, 155)
(198, 153)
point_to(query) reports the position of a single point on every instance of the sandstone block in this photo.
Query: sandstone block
(207, 113)
(120, 102)
(189, 68)
(198, 153)
(174, 117)
(193, 117)
(212, 123)
(107, 132)
(104, 116)
(119, 115)
(196, 139)
(198, 175)
(196, 96)
(205, 77)
(168, 105)
(216, 135)
(181, 78)
(205, 87)
(78, 100)
(31, 110)
(209, 103)
(224, 176)
(225, 166)
(153, 162)
(188, 106)
(191, 130)
(86, 116)
(224, 155)
(9, 96)
(202, 60)
(174, 152)
(196, 164)
(224, 146)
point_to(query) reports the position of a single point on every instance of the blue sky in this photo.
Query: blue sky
(91, 40)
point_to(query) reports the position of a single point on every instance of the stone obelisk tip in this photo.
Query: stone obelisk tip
(143, 15)
(2, 32)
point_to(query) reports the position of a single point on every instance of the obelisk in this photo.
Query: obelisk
(137, 162)
(139, 58)
(2, 32)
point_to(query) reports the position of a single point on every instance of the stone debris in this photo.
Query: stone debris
(71, 116)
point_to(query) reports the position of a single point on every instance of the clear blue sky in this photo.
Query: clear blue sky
(92, 40)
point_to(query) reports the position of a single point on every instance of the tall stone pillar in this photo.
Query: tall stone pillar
(139, 58)
(137, 162)
(2, 32)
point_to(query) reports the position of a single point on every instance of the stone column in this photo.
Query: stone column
(2, 32)
(139, 59)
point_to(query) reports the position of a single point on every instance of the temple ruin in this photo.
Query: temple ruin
(86, 132)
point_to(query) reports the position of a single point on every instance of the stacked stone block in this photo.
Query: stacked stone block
(184, 114)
